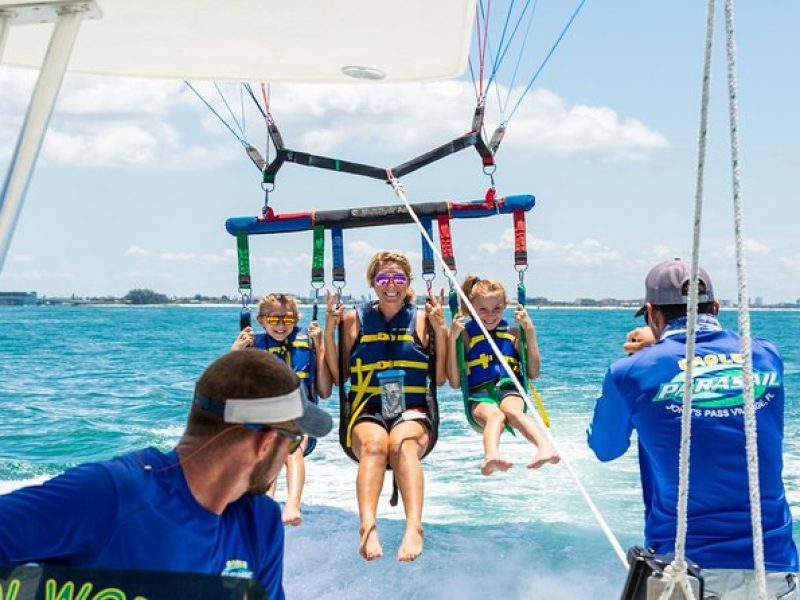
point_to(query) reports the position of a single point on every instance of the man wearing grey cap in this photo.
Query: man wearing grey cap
(199, 508)
(644, 391)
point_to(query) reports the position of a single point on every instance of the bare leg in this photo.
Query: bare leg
(295, 480)
(492, 419)
(512, 407)
(371, 446)
(407, 443)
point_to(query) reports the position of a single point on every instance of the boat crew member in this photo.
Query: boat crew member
(304, 352)
(645, 391)
(388, 335)
(199, 508)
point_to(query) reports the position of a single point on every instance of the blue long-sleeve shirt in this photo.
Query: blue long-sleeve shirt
(137, 512)
(645, 392)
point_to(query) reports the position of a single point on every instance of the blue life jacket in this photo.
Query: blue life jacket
(296, 352)
(383, 345)
(482, 365)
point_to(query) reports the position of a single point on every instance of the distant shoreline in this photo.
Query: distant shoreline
(305, 305)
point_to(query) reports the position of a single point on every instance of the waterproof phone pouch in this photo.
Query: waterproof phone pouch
(393, 395)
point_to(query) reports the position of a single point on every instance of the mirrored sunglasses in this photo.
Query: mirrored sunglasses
(280, 319)
(295, 438)
(383, 279)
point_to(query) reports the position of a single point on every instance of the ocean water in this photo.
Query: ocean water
(86, 383)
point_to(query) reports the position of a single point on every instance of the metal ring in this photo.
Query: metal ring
(317, 285)
(268, 187)
(489, 169)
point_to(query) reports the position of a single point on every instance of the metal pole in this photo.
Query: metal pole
(36, 120)
(5, 24)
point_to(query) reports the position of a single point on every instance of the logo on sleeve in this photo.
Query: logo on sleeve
(237, 568)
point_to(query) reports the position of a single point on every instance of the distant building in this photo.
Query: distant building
(587, 302)
(17, 298)
(759, 301)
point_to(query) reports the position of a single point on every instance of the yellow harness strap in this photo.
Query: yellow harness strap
(484, 359)
(360, 400)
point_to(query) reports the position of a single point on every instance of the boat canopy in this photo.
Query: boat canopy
(263, 40)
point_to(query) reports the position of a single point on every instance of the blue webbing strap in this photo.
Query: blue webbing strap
(428, 266)
(337, 241)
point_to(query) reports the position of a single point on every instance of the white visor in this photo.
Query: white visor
(275, 409)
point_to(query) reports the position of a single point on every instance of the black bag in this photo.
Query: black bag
(645, 576)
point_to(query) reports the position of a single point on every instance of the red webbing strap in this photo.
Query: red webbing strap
(520, 240)
(446, 241)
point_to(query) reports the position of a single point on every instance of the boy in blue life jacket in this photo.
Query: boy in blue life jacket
(303, 351)
(494, 402)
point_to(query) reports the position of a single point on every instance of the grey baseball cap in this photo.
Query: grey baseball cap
(664, 284)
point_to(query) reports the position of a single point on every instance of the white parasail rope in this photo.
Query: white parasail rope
(744, 318)
(677, 568)
(399, 191)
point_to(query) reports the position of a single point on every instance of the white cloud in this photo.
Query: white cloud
(590, 253)
(20, 258)
(109, 122)
(102, 145)
(751, 248)
(136, 251)
(792, 261)
(106, 122)
(89, 95)
(545, 123)
(199, 258)
(286, 260)
(40, 275)
(360, 250)
(662, 252)
(416, 115)
(224, 257)
(586, 253)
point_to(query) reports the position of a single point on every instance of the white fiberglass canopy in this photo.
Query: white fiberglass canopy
(256, 40)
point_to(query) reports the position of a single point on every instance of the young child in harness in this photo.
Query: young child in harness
(304, 352)
(493, 403)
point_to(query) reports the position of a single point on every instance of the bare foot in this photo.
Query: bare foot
(545, 454)
(411, 545)
(291, 515)
(370, 547)
(495, 463)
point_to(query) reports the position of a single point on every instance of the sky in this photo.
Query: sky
(136, 177)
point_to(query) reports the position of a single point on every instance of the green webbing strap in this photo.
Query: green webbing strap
(318, 256)
(462, 365)
(523, 343)
(243, 251)
(523, 362)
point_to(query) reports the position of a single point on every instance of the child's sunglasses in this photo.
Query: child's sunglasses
(274, 320)
(383, 279)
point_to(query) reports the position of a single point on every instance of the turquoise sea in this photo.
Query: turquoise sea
(87, 383)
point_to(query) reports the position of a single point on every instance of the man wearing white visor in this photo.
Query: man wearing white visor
(199, 508)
